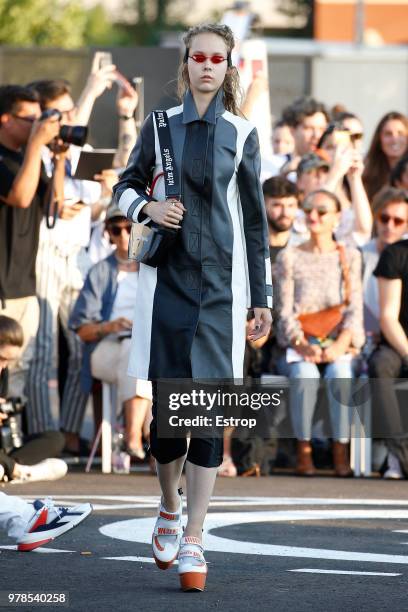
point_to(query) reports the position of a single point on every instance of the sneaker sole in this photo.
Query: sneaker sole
(30, 543)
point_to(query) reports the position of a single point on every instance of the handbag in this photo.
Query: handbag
(322, 323)
(151, 244)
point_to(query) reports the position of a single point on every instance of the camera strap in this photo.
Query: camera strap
(51, 205)
(171, 176)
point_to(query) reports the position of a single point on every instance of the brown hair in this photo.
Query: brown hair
(231, 85)
(332, 196)
(11, 332)
(50, 89)
(388, 195)
(377, 167)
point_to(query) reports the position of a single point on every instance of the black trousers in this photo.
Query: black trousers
(205, 452)
(35, 448)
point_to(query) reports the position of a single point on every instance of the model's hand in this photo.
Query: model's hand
(262, 324)
(168, 213)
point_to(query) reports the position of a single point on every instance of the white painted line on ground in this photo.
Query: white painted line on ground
(39, 550)
(345, 572)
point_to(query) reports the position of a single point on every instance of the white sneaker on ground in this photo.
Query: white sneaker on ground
(49, 522)
(167, 536)
(393, 471)
(192, 568)
(49, 469)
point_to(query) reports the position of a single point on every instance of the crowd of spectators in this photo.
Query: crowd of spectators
(338, 229)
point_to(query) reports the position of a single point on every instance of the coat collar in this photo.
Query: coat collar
(215, 110)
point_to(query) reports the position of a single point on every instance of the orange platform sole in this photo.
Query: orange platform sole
(193, 581)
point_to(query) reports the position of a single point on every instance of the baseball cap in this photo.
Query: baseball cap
(113, 211)
(313, 161)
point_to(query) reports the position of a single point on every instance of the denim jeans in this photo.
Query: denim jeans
(304, 386)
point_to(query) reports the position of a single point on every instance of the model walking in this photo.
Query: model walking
(191, 311)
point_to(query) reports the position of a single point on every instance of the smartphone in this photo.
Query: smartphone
(105, 58)
(342, 137)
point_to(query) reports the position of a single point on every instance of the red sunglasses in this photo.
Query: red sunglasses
(200, 58)
(385, 219)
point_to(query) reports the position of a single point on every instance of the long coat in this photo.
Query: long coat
(190, 313)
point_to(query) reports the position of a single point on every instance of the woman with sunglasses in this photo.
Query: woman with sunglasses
(320, 274)
(345, 179)
(102, 318)
(191, 310)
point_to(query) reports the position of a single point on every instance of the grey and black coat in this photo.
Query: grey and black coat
(191, 311)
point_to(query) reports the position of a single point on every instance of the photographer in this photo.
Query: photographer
(23, 460)
(24, 188)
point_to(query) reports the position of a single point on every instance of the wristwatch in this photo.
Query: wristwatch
(125, 117)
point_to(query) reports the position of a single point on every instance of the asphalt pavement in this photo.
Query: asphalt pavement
(278, 543)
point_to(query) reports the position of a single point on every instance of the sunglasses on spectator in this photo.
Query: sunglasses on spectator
(357, 136)
(116, 230)
(384, 218)
(200, 58)
(321, 210)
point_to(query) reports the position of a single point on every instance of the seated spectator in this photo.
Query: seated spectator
(308, 119)
(399, 174)
(102, 318)
(345, 179)
(317, 275)
(24, 189)
(389, 143)
(390, 207)
(390, 360)
(30, 460)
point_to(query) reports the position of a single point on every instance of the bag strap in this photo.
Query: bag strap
(345, 269)
(171, 177)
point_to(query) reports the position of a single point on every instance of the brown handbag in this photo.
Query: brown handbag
(320, 324)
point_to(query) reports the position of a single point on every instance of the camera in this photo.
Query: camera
(69, 134)
(11, 435)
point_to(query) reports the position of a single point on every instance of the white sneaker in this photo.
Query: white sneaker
(167, 536)
(49, 521)
(394, 468)
(49, 469)
(192, 568)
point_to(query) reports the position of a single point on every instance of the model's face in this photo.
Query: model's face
(8, 354)
(282, 140)
(394, 138)
(307, 134)
(321, 214)
(19, 122)
(65, 105)
(206, 76)
(281, 212)
(312, 180)
(392, 222)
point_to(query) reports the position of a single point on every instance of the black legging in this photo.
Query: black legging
(206, 452)
(35, 448)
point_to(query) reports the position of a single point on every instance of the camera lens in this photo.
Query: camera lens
(74, 134)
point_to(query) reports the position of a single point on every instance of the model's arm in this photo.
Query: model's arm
(130, 192)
